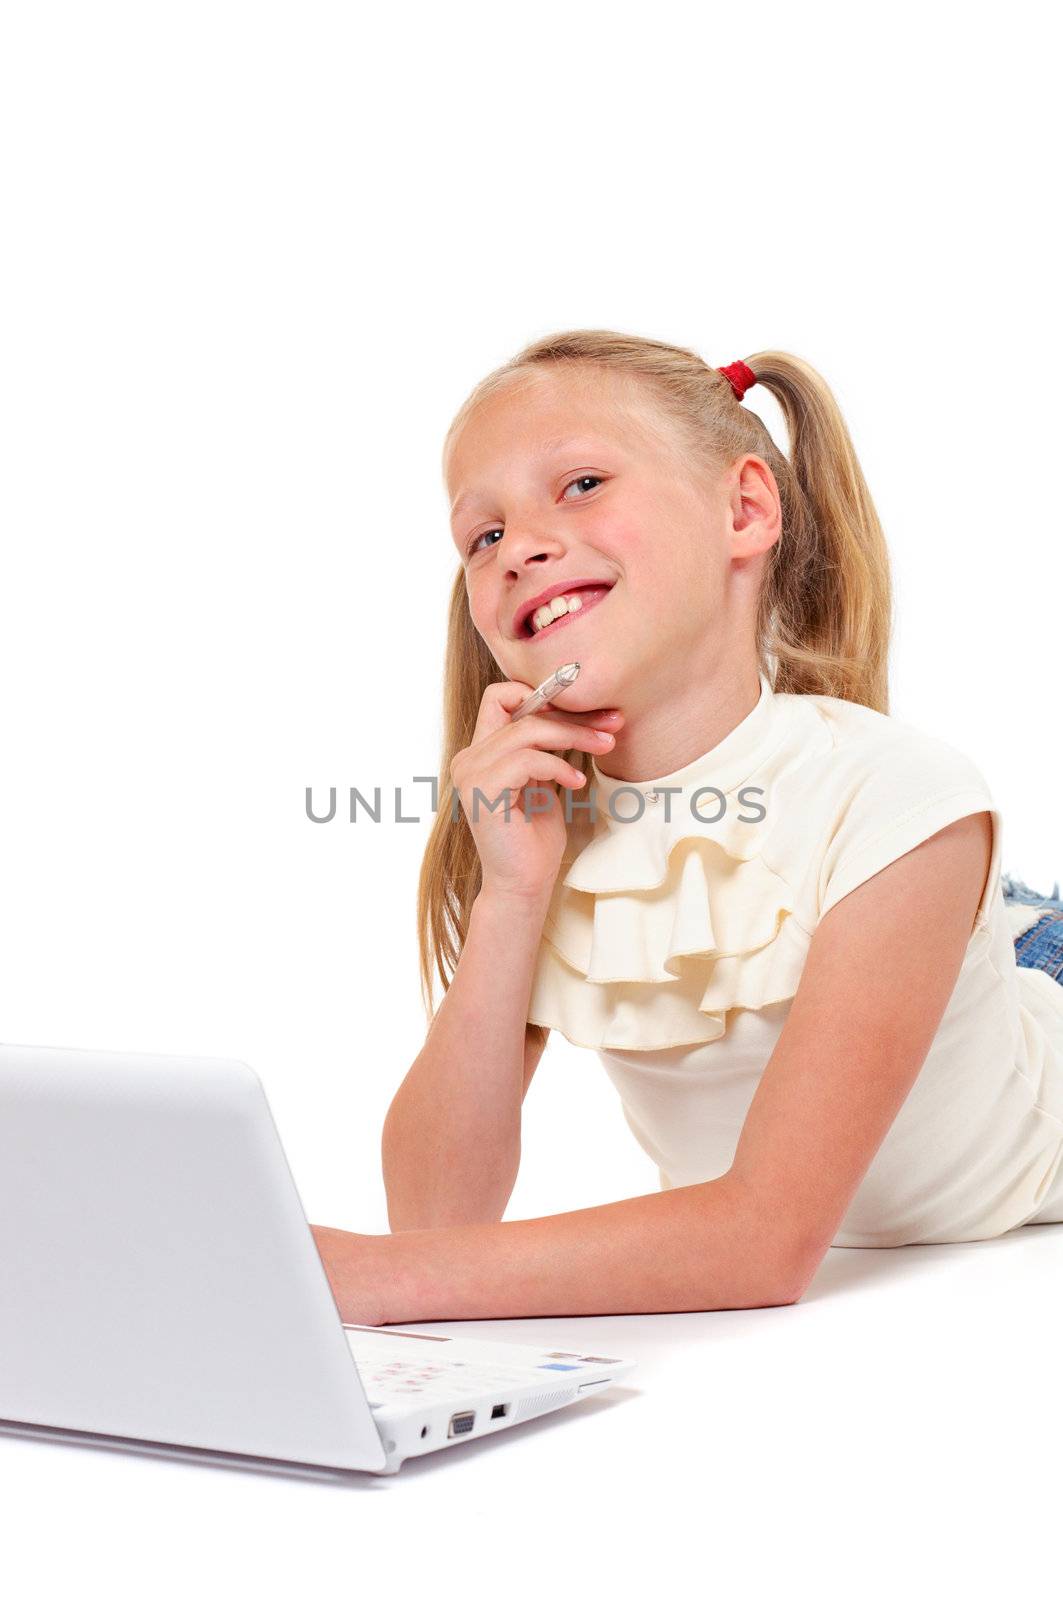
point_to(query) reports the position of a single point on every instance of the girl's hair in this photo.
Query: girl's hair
(825, 612)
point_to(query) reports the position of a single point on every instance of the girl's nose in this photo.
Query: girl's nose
(524, 543)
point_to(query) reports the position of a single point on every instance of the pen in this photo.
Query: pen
(553, 685)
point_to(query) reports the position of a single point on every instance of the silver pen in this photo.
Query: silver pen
(561, 679)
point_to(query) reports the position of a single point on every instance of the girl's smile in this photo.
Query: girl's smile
(585, 600)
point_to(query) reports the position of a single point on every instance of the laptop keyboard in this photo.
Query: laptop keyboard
(389, 1382)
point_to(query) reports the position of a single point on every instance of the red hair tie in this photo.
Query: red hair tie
(739, 376)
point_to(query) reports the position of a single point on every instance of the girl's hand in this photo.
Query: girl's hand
(356, 1269)
(520, 854)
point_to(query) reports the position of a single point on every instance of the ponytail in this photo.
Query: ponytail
(826, 603)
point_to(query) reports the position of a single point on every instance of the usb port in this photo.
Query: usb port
(499, 1411)
(461, 1422)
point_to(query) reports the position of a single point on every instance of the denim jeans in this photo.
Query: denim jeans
(1042, 945)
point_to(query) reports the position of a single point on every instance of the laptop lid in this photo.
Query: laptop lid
(159, 1277)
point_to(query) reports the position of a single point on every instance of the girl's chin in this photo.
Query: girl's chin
(602, 675)
(600, 685)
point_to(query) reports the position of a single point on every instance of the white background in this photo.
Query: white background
(254, 258)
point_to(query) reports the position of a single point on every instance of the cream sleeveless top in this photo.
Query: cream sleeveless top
(678, 929)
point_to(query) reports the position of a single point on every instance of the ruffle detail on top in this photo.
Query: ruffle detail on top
(657, 929)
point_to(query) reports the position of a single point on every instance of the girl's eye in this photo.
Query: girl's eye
(479, 536)
(586, 477)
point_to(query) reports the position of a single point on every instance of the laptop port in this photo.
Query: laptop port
(498, 1411)
(461, 1422)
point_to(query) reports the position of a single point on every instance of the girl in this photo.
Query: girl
(776, 914)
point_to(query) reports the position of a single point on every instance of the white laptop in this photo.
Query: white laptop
(159, 1282)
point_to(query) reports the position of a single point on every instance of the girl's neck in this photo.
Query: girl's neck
(660, 738)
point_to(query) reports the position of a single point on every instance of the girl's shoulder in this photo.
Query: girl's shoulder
(870, 788)
(863, 747)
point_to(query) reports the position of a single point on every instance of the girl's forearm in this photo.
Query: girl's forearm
(698, 1248)
(451, 1141)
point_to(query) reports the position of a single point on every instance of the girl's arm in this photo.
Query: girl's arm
(451, 1139)
(882, 966)
(880, 972)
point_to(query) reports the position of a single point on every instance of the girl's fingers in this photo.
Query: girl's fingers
(500, 700)
(520, 742)
(608, 715)
(538, 766)
(509, 767)
(542, 729)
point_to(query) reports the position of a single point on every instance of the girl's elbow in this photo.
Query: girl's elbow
(788, 1255)
(802, 1268)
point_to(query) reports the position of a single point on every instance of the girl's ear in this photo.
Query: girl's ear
(756, 509)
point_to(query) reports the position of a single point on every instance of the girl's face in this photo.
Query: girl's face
(570, 483)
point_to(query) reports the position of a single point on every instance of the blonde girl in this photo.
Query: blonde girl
(774, 912)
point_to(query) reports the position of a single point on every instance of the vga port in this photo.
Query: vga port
(461, 1422)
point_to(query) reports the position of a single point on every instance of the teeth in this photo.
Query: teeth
(557, 607)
